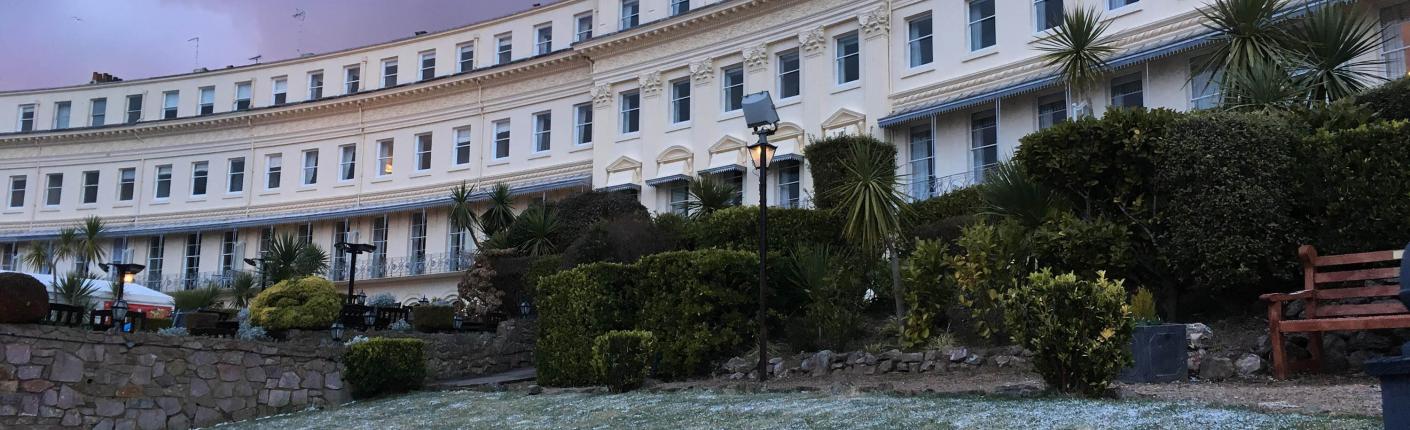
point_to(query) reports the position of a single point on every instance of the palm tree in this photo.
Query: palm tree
(1248, 33)
(65, 246)
(289, 257)
(1264, 85)
(501, 212)
(76, 289)
(1079, 48)
(1335, 51)
(242, 289)
(1009, 192)
(88, 245)
(708, 194)
(872, 202)
(41, 256)
(539, 225)
(462, 211)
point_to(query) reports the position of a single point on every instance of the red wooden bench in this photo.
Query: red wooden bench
(1327, 282)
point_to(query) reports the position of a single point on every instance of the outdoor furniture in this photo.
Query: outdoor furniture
(388, 315)
(102, 319)
(1340, 293)
(210, 323)
(64, 315)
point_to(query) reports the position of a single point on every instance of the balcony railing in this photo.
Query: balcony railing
(427, 264)
(184, 281)
(941, 185)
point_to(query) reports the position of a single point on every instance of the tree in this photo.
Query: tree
(871, 202)
(535, 228)
(500, 214)
(288, 257)
(1335, 49)
(88, 246)
(462, 211)
(1079, 48)
(708, 194)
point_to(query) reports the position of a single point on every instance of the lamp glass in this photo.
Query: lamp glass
(762, 154)
(369, 318)
(119, 310)
(127, 278)
(336, 330)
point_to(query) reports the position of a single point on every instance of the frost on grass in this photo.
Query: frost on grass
(702, 410)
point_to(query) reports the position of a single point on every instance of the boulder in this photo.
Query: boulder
(1216, 369)
(891, 355)
(1356, 359)
(956, 354)
(974, 360)
(912, 357)
(1248, 365)
(737, 364)
(1194, 359)
(1199, 336)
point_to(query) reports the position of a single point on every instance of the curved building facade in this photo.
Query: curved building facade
(195, 172)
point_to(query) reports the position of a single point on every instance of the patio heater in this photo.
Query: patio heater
(760, 115)
(353, 249)
(125, 272)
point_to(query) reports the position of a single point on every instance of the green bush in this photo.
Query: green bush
(825, 157)
(738, 228)
(433, 318)
(304, 303)
(1228, 193)
(987, 266)
(538, 268)
(575, 306)
(1355, 187)
(699, 304)
(1103, 166)
(830, 315)
(622, 358)
(929, 291)
(23, 299)
(1143, 307)
(1070, 244)
(1390, 101)
(1079, 330)
(943, 217)
(196, 299)
(385, 366)
(622, 239)
(577, 213)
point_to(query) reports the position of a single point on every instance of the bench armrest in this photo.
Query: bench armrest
(1287, 297)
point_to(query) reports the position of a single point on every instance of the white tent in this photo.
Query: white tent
(134, 293)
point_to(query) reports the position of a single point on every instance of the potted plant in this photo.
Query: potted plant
(1157, 349)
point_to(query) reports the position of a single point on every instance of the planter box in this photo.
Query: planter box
(1159, 353)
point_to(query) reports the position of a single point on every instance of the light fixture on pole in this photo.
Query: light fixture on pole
(360, 298)
(525, 309)
(336, 330)
(760, 115)
(125, 273)
(353, 249)
(369, 319)
(456, 321)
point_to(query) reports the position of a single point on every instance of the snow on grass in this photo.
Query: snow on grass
(705, 410)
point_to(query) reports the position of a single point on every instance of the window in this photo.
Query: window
(678, 196)
(984, 142)
(543, 40)
(462, 145)
(428, 65)
(1204, 85)
(384, 157)
(423, 152)
(98, 112)
(788, 75)
(1052, 110)
(200, 175)
(243, 92)
(543, 127)
(340, 258)
(266, 239)
(120, 251)
(501, 139)
(163, 184)
(191, 270)
(90, 187)
(26, 118)
(1113, 4)
(504, 48)
(379, 242)
(17, 187)
(418, 243)
(1047, 14)
(732, 88)
(9, 255)
(273, 170)
(134, 108)
(920, 41)
(466, 57)
(235, 176)
(789, 188)
(389, 73)
(679, 7)
(306, 233)
(347, 162)
(849, 61)
(207, 100)
(981, 24)
(228, 242)
(631, 112)
(582, 123)
(127, 184)
(584, 28)
(922, 152)
(156, 247)
(1126, 91)
(170, 101)
(680, 101)
(281, 90)
(352, 76)
(62, 110)
(315, 85)
(310, 176)
(1394, 26)
(54, 192)
(630, 11)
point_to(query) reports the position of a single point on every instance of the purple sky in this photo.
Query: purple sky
(49, 43)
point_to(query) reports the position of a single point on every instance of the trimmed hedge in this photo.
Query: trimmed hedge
(789, 228)
(622, 239)
(23, 299)
(1390, 101)
(576, 306)
(623, 358)
(1355, 187)
(433, 318)
(825, 157)
(943, 217)
(305, 303)
(700, 305)
(577, 213)
(385, 366)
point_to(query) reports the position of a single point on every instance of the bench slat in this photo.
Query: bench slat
(1345, 324)
(1357, 258)
(1357, 275)
(1355, 292)
(1387, 308)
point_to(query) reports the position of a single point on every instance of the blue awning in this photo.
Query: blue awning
(622, 187)
(668, 179)
(723, 169)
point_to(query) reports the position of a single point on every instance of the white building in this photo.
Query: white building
(195, 172)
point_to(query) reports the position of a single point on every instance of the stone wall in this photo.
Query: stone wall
(463, 355)
(68, 377)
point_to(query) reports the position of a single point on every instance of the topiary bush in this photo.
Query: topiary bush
(699, 304)
(385, 366)
(1354, 187)
(23, 299)
(825, 157)
(1104, 166)
(943, 217)
(1078, 329)
(789, 228)
(575, 306)
(304, 303)
(432, 318)
(623, 358)
(577, 213)
(622, 239)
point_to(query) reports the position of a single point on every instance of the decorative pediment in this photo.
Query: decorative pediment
(787, 130)
(726, 144)
(675, 153)
(623, 163)
(844, 118)
(702, 71)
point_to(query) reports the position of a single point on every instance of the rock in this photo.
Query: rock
(1248, 365)
(931, 355)
(36, 385)
(1216, 369)
(956, 354)
(67, 368)
(891, 355)
(535, 390)
(885, 366)
(736, 364)
(151, 419)
(278, 398)
(289, 380)
(912, 357)
(974, 360)
(1265, 347)
(1293, 309)
(736, 376)
(1005, 360)
(109, 408)
(869, 359)
(17, 353)
(1198, 336)
(926, 365)
(1356, 359)
(1369, 341)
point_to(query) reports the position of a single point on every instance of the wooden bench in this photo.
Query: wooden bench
(1329, 282)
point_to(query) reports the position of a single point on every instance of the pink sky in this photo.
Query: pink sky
(52, 43)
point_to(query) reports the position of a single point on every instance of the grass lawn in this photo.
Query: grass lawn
(705, 410)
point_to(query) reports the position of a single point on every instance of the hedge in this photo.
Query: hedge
(385, 366)
(576, 306)
(1390, 101)
(23, 299)
(943, 217)
(699, 304)
(1355, 187)
(433, 318)
(623, 358)
(622, 239)
(304, 303)
(825, 158)
(577, 213)
(789, 228)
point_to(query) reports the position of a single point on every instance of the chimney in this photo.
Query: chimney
(420, 32)
(99, 78)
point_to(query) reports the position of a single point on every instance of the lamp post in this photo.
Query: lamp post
(759, 114)
(125, 273)
(258, 264)
(353, 249)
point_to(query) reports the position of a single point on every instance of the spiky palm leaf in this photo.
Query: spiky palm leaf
(89, 243)
(1079, 48)
(540, 225)
(1248, 31)
(41, 256)
(462, 210)
(65, 246)
(1009, 192)
(1336, 52)
(196, 298)
(500, 215)
(1264, 85)
(75, 288)
(871, 198)
(289, 257)
(708, 194)
(242, 289)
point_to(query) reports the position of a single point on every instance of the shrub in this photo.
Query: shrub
(622, 239)
(1389, 101)
(986, 268)
(832, 297)
(75, 289)
(944, 216)
(825, 157)
(304, 303)
(156, 324)
(173, 331)
(575, 306)
(929, 291)
(23, 299)
(432, 318)
(1078, 330)
(577, 213)
(1143, 307)
(1102, 165)
(622, 358)
(383, 300)
(196, 299)
(385, 366)
(538, 268)
(1355, 187)
(699, 304)
(1070, 244)
(738, 228)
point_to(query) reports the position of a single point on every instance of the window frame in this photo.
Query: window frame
(626, 21)
(975, 131)
(582, 130)
(352, 79)
(249, 103)
(987, 25)
(273, 171)
(841, 58)
(234, 178)
(315, 92)
(200, 178)
(678, 7)
(461, 150)
(922, 45)
(89, 188)
(390, 71)
(731, 103)
(781, 75)
(504, 48)
(18, 186)
(629, 114)
(160, 180)
(543, 131)
(543, 45)
(279, 90)
(309, 172)
(98, 112)
(386, 157)
(127, 184)
(1122, 80)
(503, 127)
(1041, 15)
(134, 108)
(921, 188)
(1059, 98)
(204, 107)
(460, 57)
(581, 33)
(1112, 4)
(425, 146)
(31, 109)
(681, 103)
(63, 114)
(424, 72)
(171, 104)
(347, 162)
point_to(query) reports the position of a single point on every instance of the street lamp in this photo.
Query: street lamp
(525, 309)
(125, 273)
(336, 330)
(456, 321)
(369, 319)
(759, 114)
(258, 263)
(360, 298)
(353, 249)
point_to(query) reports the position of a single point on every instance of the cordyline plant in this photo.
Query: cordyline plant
(872, 202)
(1079, 48)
